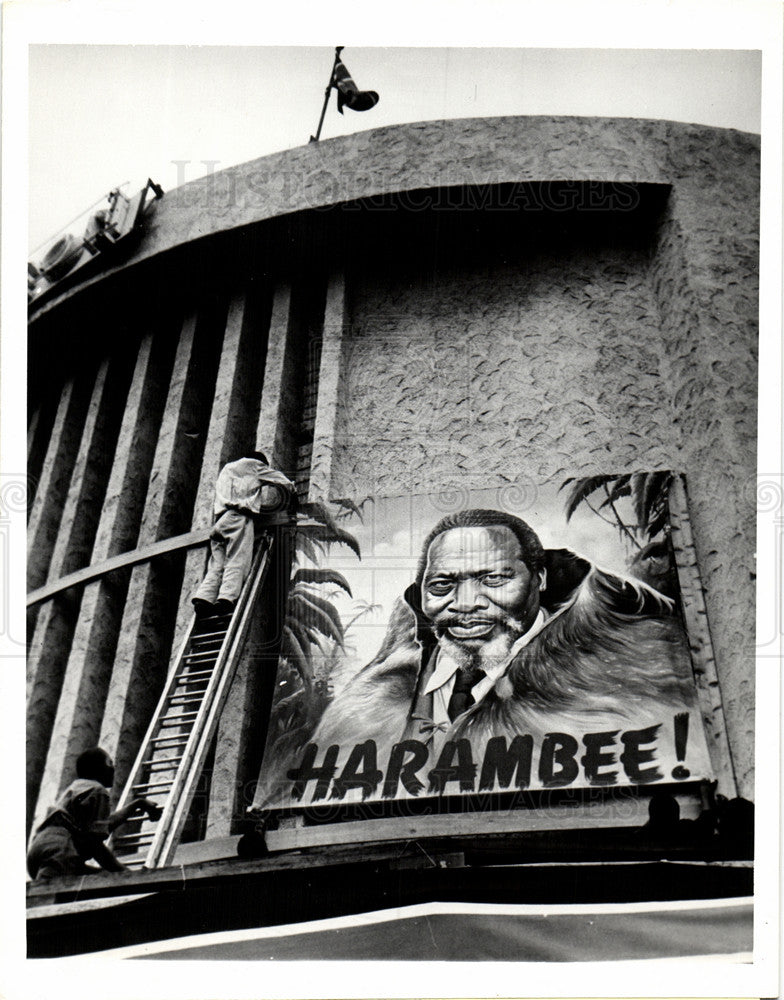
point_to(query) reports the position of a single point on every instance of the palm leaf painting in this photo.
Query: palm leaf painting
(313, 639)
(648, 492)
(647, 533)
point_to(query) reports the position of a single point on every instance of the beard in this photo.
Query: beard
(486, 655)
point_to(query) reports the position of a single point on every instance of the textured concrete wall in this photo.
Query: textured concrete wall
(524, 371)
(705, 272)
(584, 359)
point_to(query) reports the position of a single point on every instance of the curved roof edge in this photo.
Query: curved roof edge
(430, 154)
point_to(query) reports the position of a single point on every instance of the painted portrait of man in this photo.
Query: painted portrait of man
(484, 645)
(500, 640)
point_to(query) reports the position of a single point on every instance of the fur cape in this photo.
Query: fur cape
(613, 654)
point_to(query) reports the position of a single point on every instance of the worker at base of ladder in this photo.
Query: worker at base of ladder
(75, 828)
(246, 489)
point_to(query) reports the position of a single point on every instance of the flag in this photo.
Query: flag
(348, 93)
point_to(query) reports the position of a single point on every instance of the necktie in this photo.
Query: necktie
(461, 699)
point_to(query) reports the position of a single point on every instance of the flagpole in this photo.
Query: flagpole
(338, 50)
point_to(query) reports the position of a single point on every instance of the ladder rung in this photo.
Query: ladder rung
(189, 697)
(154, 784)
(162, 760)
(131, 839)
(211, 639)
(141, 818)
(201, 672)
(208, 635)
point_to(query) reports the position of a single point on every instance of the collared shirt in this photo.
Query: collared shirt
(442, 681)
(250, 486)
(83, 808)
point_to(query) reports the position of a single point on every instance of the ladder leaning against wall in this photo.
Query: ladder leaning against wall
(172, 754)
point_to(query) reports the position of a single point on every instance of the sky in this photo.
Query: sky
(100, 115)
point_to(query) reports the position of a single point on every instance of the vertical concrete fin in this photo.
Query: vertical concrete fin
(157, 488)
(328, 387)
(56, 620)
(34, 424)
(89, 480)
(80, 708)
(276, 419)
(147, 627)
(231, 430)
(57, 465)
(277, 414)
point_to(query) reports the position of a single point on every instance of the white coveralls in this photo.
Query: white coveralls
(244, 488)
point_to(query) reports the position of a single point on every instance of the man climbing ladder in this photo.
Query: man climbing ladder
(245, 490)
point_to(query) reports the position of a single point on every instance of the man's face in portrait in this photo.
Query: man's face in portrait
(477, 590)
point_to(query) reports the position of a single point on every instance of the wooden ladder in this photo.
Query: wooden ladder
(172, 754)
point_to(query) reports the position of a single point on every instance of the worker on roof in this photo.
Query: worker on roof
(244, 490)
(75, 828)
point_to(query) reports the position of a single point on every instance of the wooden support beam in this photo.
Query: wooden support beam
(107, 884)
(125, 560)
(614, 860)
(590, 814)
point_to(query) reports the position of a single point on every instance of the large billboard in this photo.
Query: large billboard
(484, 641)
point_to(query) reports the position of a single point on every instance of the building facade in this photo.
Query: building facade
(417, 309)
